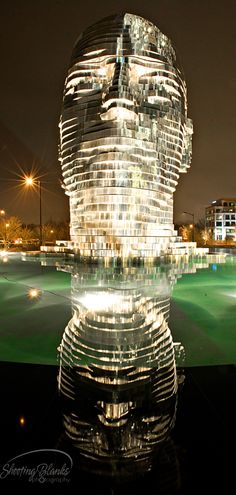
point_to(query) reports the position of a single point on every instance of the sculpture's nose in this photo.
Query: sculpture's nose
(119, 94)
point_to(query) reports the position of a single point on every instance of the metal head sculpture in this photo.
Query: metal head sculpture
(125, 138)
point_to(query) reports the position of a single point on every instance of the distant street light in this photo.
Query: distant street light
(193, 226)
(31, 182)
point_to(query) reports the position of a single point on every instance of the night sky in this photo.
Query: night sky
(36, 40)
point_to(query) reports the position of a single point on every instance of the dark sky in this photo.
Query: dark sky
(36, 40)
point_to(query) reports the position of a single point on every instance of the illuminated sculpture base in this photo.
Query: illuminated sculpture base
(106, 246)
(173, 247)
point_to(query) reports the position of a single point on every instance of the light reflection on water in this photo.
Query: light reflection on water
(120, 369)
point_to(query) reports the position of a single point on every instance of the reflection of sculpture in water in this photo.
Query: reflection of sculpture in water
(125, 138)
(118, 374)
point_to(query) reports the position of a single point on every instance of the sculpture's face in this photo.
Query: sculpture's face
(130, 98)
(126, 88)
(123, 125)
(132, 92)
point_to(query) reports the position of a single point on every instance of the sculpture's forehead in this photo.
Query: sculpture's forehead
(124, 36)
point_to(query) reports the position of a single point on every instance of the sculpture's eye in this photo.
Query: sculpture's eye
(160, 87)
(137, 72)
(84, 81)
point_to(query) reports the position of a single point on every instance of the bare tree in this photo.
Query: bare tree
(10, 229)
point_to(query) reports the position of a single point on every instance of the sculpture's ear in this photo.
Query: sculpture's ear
(187, 146)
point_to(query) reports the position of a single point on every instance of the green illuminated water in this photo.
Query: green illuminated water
(203, 314)
(202, 317)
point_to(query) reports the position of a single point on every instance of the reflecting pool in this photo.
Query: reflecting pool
(126, 369)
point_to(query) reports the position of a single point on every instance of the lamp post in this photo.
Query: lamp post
(192, 215)
(6, 225)
(40, 214)
(30, 182)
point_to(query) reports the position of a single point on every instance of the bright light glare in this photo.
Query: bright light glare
(22, 421)
(3, 253)
(98, 301)
(29, 181)
(33, 293)
(229, 294)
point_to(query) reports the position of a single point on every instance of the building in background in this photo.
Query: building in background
(221, 219)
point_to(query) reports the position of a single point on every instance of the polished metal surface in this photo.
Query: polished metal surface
(124, 138)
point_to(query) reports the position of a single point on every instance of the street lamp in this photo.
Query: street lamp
(30, 182)
(6, 227)
(192, 215)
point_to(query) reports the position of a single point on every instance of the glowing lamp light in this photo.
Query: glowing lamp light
(29, 181)
(22, 421)
(33, 293)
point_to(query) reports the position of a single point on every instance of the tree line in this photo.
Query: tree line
(14, 232)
